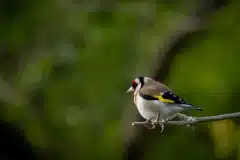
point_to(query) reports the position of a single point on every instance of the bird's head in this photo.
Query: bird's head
(138, 82)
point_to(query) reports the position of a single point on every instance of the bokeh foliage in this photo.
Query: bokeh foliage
(69, 64)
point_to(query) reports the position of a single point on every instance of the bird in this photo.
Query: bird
(156, 102)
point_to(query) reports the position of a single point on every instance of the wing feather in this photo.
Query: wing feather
(165, 95)
(161, 93)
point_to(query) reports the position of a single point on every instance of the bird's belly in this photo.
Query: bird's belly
(149, 109)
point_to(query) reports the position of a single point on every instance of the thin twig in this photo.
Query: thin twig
(194, 120)
(137, 141)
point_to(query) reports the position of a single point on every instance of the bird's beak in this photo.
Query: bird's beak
(130, 89)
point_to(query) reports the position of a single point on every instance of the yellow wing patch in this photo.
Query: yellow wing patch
(160, 98)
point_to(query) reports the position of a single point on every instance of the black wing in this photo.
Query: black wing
(171, 96)
(177, 100)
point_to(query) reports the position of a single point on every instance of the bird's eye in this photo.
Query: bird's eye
(134, 84)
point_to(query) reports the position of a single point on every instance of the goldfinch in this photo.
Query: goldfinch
(156, 102)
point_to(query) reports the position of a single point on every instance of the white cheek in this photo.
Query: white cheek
(137, 81)
(137, 89)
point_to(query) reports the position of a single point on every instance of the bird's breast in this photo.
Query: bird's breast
(146, 108)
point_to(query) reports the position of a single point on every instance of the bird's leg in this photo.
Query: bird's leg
(157, 122)
(149, 124)
(162, 123)
(157, 118)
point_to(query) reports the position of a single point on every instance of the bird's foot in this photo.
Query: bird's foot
(191, 119)
(156, 121)
(162, 125)
(149, 124)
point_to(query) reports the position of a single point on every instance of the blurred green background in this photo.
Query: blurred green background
(65, 66)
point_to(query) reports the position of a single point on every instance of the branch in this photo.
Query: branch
(186, 120)
(138, 140)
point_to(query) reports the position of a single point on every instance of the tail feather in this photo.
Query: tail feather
(189, 106)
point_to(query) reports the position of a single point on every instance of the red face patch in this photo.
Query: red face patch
(134, 84)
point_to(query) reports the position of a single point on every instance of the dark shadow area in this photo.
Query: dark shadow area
(14, 145)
